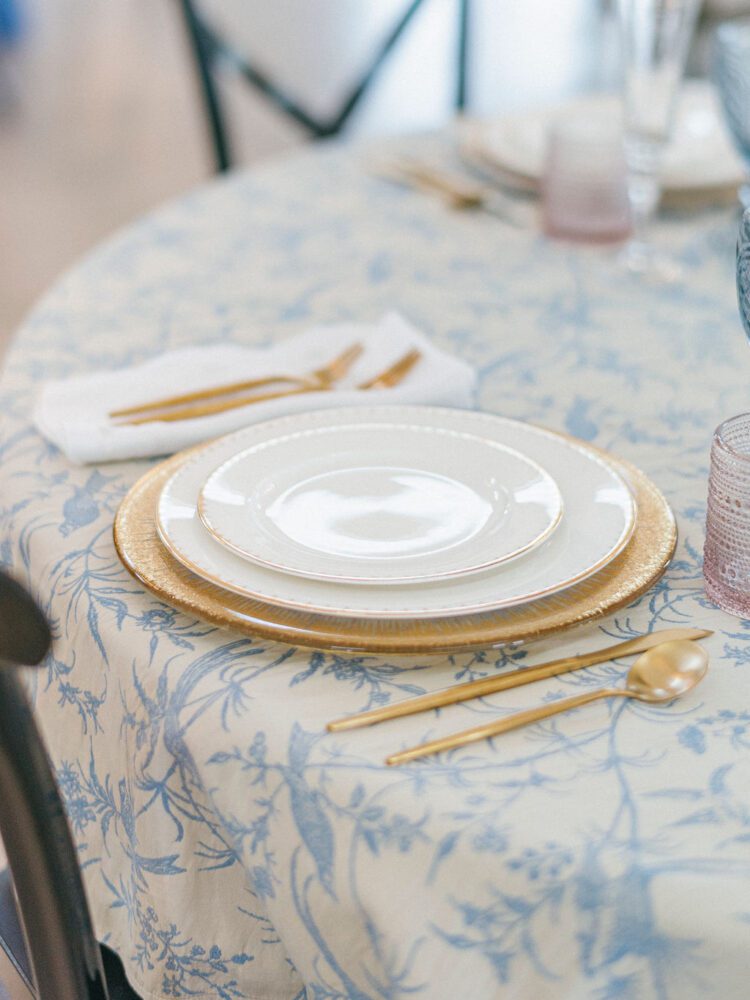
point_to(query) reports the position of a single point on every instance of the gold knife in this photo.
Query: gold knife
(516, 678)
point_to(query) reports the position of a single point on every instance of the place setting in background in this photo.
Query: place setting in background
(595, 169)
(700, 166)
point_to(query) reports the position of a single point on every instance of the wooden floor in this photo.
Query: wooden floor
(98, 123)
(100, 120)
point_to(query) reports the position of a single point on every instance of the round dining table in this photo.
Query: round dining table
(231, 846)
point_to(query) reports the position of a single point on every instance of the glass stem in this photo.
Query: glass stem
(644, 189)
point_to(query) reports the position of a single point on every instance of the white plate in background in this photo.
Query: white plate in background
(700, 155)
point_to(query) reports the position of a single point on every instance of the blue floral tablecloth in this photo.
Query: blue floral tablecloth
(232, 848)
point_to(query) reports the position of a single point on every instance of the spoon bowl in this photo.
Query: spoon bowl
(667, 671)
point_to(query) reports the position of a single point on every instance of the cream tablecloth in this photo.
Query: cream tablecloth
(234, 849)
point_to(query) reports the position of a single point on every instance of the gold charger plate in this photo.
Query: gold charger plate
(630, 574)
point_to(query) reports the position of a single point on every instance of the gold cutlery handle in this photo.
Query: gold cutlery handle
(319, 378)
(515, 678)
(505, 725)
(454, 191)
(219, 406)
(221, 390)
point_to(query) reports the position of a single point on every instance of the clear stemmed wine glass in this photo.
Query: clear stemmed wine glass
(656, 36)
(732, 75)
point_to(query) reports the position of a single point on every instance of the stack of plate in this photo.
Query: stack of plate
(396, 529)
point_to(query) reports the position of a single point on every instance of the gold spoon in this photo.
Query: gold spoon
(667, 671)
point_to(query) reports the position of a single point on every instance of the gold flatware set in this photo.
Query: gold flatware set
(218, 399)
(455, 190)
(671, 664)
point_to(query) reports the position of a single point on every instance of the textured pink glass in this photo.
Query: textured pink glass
(726, 556)
(584, 188)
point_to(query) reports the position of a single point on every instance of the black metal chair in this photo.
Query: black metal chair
(51, 952)
(210, 49)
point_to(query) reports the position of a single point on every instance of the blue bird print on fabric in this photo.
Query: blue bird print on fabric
(84, 507)
(311, 820)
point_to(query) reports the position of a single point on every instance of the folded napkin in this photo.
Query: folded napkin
(72, 413)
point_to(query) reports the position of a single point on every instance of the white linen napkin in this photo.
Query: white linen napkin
(72, 413)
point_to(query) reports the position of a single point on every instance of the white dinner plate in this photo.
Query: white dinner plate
(379, 503)
(598, 519)
(700, 154)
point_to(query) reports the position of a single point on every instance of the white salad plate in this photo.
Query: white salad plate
(700, 154)
(597, 522)
(379, 503)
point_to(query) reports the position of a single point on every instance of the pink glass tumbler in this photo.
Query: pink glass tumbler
(726, 556)
(584, 187)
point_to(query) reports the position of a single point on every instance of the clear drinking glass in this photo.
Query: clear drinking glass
(584, 189)
(656, 36)
(726, 556)
(732, 74)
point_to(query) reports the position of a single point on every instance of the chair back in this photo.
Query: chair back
(211, 49)
(63, 951)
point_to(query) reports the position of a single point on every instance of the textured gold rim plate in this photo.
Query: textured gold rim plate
(628, 576)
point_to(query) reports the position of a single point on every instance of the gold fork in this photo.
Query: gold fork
(456, 191)
(320, 378)
(391, 376)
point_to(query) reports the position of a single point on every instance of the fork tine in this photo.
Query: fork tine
(340, 366)
(397, 371)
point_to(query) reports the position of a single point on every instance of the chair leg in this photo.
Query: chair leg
(203, 54)
(462, 64)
